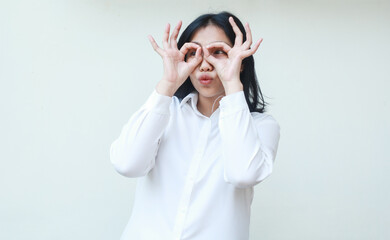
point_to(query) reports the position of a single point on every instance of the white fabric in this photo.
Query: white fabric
(196, 173)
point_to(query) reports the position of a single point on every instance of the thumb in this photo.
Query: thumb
(195, 61)
(210, 58)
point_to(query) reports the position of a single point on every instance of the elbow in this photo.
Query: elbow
(127, 171)
(247, 178)
(238, 182)
(130, 164)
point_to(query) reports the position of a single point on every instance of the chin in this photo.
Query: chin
(211, 94)
(209, 91)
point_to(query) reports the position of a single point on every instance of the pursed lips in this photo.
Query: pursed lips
(205, 79)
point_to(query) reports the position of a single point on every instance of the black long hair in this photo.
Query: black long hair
(254, 97)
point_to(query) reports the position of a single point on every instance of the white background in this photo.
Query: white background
(72, 72)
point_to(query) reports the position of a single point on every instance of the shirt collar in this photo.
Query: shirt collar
(191, 98)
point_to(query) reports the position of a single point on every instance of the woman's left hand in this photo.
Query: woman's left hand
(228, 67)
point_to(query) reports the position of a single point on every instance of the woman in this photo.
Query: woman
(201, 142)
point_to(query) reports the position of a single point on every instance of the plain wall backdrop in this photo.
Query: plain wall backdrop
(72, 73)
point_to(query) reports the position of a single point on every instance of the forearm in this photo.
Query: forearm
(249, 145)
(133, 153)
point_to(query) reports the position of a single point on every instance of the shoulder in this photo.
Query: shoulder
(262, 116)
(264, 119)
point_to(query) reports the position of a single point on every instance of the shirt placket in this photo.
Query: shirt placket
(190, 180)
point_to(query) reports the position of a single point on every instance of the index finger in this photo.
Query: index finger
(220, 45)
(188, 46)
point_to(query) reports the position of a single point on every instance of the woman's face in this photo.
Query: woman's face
(204, 77)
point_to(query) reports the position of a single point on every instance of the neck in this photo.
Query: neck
(207, 106)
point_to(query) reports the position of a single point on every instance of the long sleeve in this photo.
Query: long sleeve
(249, 142)
(133, 153)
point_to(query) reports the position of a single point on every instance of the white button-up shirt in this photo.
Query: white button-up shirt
(196, 173)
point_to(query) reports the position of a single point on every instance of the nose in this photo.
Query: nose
(205, 66)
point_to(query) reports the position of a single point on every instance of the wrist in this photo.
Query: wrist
(166, 88)
(233, 87)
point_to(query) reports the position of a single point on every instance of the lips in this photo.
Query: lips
(205, 79)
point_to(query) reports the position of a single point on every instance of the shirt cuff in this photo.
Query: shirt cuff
(158, 103)
(233, 103)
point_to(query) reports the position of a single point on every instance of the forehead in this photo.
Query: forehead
(209, 34)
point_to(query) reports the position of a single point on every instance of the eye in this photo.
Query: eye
(191, 53)
(219, 52)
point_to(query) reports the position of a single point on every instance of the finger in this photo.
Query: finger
(210, 58)
(247, 44)
(198, 53)
(174, 35)
(198, 58)
(188, 46)
(220, 45)
(154, 45)
(252, 51)
(236, 29)
(166, 36)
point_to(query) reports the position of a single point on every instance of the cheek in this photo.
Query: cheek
(192, 76)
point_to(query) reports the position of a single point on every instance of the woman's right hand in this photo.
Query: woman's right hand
(176, 69)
